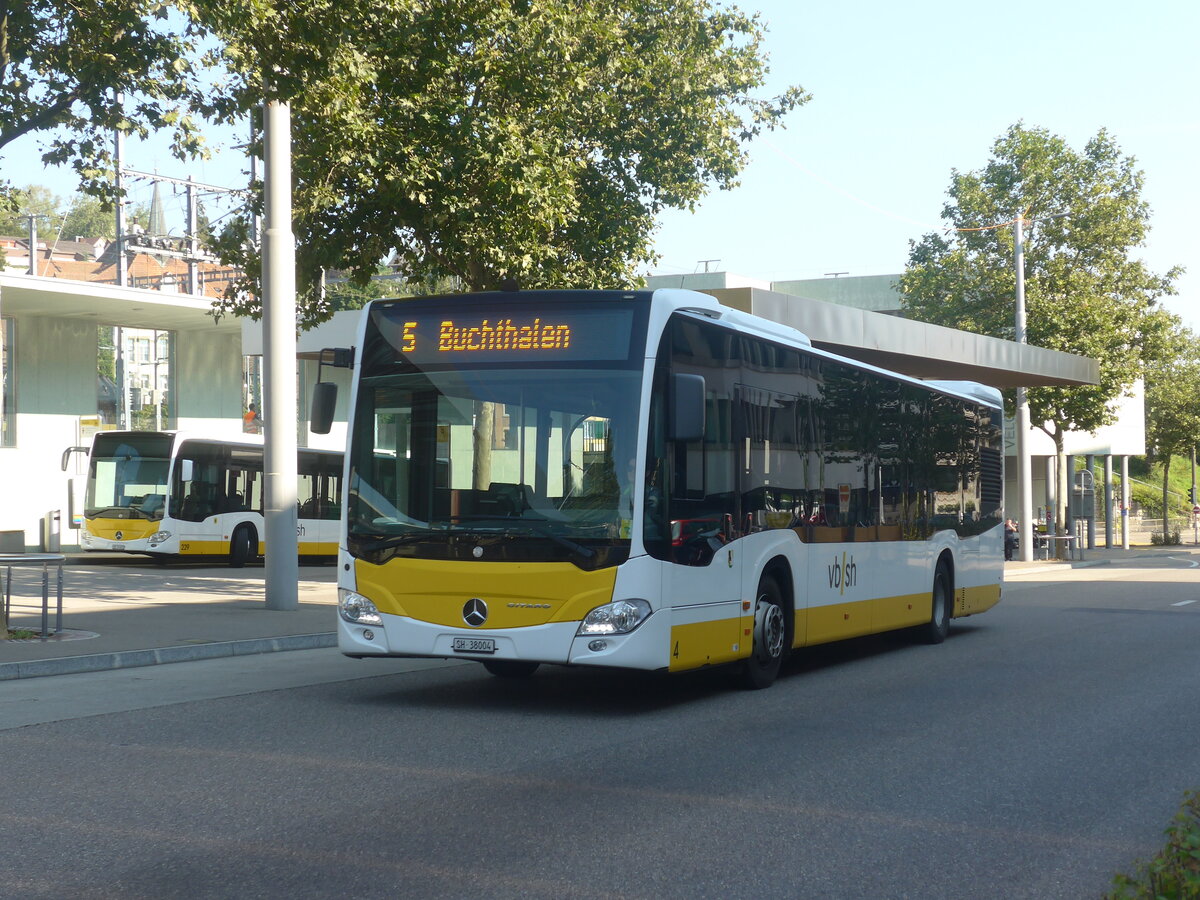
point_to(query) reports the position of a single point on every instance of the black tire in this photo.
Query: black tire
(510, 668)
(770, 645)
(942, 599)
(243, 546)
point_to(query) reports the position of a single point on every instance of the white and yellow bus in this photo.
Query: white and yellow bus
(649, 480)
(172, 494)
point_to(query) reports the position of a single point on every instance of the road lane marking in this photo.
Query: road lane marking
(1183, 602)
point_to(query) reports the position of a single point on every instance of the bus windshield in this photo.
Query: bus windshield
(500, 462)
(128, 476)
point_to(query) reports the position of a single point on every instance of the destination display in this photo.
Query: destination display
(505, 332)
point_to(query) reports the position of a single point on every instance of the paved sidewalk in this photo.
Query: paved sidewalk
(1101, 557)
(121, 611)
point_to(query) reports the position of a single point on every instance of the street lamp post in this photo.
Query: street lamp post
(1024, 461)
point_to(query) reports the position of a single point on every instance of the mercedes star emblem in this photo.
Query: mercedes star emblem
(119, 535)
(475, 612)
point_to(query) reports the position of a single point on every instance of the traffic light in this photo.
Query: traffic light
(1192, 496)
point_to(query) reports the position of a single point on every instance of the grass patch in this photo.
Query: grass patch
(20, 634)
(1174, 872)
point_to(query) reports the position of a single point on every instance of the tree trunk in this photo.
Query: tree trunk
(481, 475)
(1062, 521)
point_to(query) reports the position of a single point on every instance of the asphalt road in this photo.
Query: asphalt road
(1041, 749)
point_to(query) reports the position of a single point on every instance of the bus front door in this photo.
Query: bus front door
(704, 592)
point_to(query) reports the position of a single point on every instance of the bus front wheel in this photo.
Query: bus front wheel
(510, 668)
(243, 546)
(770, 637)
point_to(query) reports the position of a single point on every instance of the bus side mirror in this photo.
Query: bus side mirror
(324, 399)
(686, 422)
(71, 451)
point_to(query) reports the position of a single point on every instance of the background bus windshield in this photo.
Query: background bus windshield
(128, 477)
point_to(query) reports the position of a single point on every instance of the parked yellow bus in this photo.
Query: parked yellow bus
(649, 480)
(173, 494)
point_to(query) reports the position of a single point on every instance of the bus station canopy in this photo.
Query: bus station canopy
(914, 348)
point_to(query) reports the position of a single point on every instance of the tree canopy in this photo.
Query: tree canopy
(486, 140)
(81, 216)
(1086, 291)
(1173, 402)
(63, 64)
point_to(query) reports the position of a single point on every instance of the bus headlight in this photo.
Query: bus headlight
(357, 609)
(618, 617)
(159, 536)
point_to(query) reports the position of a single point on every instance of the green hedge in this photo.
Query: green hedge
(1174, 873)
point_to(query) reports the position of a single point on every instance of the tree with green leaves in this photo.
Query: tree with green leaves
(485, 141)
(33, 199)
(1086, 291)
(1173, 404)
(83, 216)
(63, 65)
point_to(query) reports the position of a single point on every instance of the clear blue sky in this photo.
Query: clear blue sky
(902, 94)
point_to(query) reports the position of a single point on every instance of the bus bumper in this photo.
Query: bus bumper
(556, 643)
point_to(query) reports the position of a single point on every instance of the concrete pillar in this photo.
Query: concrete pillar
(1051, 492)
(1108, 501)
(1091, 518)
(1125, 502)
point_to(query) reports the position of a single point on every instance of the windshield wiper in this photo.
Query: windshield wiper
(121, 511)
(512, 526)
(393, 540)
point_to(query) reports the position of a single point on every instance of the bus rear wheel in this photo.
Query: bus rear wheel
(770, 637)
(243, 546)
(510, 668)
(935, 630)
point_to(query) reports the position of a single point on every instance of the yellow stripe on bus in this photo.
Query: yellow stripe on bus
(968, 601)
(318, 548)
(707, 643)
(211, 548)
(203, 548)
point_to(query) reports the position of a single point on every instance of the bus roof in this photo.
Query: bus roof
(682, 300)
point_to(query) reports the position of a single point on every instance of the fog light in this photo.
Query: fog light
(369, 635)
(597, 646)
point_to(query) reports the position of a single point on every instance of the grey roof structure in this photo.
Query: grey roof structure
(914, 348)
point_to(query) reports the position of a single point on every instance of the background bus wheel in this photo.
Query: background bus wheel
(770, 637)
(243, 546)
(510, 668)
(935, 630)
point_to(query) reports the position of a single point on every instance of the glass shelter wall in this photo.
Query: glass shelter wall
(134, 388)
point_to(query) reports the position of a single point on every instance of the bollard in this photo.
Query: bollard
(45, 601)
(46, 560)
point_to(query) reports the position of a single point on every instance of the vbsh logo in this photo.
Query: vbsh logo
(843, 573)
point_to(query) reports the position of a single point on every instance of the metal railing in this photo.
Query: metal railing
(46, 560)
